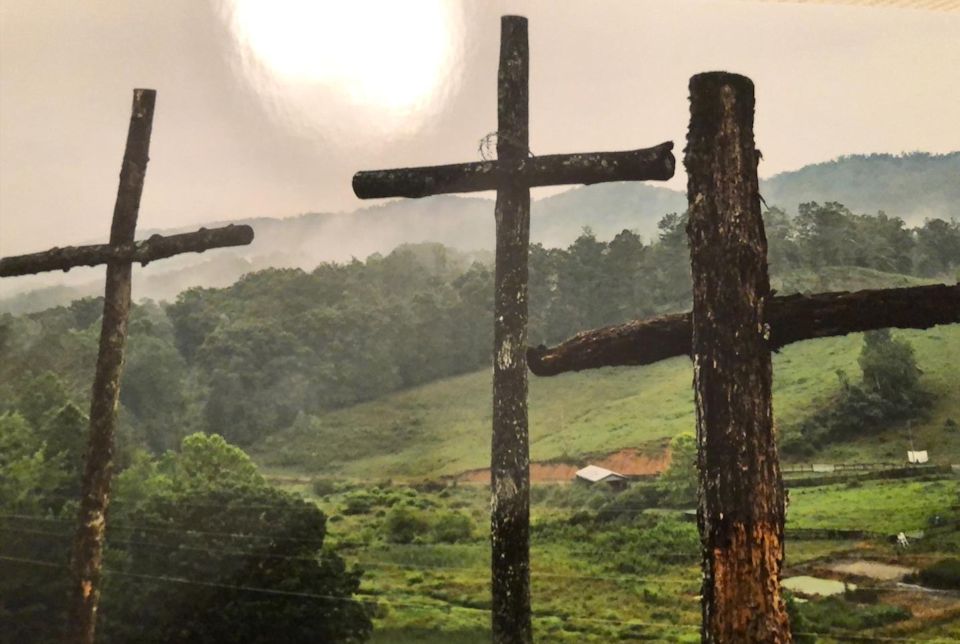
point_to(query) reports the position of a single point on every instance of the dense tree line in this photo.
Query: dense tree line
(251, 359)
(245, 360)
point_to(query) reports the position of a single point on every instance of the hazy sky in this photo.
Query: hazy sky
(268, 108)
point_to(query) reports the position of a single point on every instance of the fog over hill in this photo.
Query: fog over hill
(913, 187)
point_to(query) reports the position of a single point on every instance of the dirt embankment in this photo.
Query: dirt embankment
(629, 462)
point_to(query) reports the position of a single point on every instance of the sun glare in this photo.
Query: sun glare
(382, 53)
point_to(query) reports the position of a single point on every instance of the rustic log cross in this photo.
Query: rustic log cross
(734, 326)
(512, 175)
(118, 255)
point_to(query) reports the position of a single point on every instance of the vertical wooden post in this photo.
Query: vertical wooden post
(741, 505)
(510, 476)
(98, 470)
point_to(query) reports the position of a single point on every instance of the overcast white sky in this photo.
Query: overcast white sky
(268, 108)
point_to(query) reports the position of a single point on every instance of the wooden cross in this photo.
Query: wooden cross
(512, 175)
(119, 256)
(734, 325)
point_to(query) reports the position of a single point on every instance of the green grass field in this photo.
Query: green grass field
(444, 428)
(636, 578)
(604, 581)
(886, 507)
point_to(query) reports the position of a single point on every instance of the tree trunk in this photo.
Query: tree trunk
(98, 469)
(510, 461)
(741, 503)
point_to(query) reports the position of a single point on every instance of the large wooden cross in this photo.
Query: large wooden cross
(512, 175)
(119, 256)
(734, 326)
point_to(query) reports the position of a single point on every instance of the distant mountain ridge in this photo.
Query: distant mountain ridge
(913, 187)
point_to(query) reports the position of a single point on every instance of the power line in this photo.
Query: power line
(840, 634)
(692, 558)
(679, 581)
(361, 562)
(147, 528)
(445, 604)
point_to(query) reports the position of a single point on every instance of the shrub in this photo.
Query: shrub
(404, 524)
(837, 613)
(452, 527)
(358, 503)
(944, 574)
(324, 487)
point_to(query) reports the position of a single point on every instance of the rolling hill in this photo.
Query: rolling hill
(443, 428)
(912, 187)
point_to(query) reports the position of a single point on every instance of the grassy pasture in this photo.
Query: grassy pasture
(444, 428)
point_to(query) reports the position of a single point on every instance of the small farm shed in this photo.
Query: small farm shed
(593, 474)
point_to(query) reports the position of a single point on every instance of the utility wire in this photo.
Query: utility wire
(843, 635)
(679, 581)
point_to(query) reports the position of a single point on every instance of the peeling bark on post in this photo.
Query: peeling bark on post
(510, 476)
(98, 469)
(791, 318)
(143, 252)
(741, 503)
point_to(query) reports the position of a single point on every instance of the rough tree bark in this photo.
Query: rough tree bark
(791, 319)
(510, 478)
(143, 252)
(656, 163)
(98, 469)
(741, 503)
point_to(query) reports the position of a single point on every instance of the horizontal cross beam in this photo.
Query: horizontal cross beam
(151, 249)
(791, 319)
(656, 163)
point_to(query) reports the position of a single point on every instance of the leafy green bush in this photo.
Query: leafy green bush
(404, 525)
(358, 503)
(943, 574)
(837, 613)
(452, 527)
(324, 487)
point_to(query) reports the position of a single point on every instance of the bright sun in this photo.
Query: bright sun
(386, 54)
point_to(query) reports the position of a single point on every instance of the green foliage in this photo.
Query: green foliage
(41, 397)
(678, 484)
(452, 527)
(885, 507)
(913, 185)
(282, 347)
(641, 544)
(193, 535)
(890, 392)
(220, 524)
(889, 367)
(405, 525)
(944, 574)
(153, 390)
(821, 616)
(30, 476)
(358, 503)
(323, 486)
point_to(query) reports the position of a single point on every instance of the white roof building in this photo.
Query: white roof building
(596, 474)
(919, 456)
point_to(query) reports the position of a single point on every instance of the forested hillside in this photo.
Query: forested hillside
(914, 186)
(911, 187)
(245, 360)
(358, 371)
